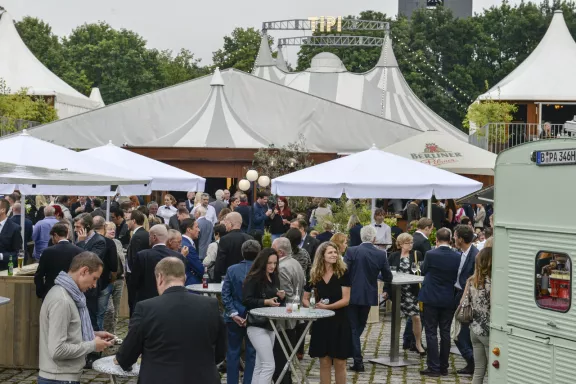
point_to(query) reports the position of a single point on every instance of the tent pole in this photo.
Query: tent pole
(23, 220)
(373, 209)
(429, 209)
(107, 208)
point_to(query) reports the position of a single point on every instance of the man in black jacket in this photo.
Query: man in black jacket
(178, 334)
(122, 230)
(54, 259)
(10, 237)
(423, 231)
(308, 243)
(143, 278)
(230, 246)
(140, 241)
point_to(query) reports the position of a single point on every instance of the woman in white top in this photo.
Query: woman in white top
(167, 210)
(219, 231)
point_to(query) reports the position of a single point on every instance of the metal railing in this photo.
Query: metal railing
(9, 125)
(496, 137)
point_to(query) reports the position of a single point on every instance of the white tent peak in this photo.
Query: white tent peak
(387, 57)
(96, 96)
(280, 62)
(373, 146)
(547, 74)
(217, 79)
(24, 133)
(264, 57)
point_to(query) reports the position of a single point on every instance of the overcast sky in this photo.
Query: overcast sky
(196, 25)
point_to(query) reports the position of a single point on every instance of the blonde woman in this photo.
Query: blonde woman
(479, 286)
(402, 261)
(331, 339)
(111, 320)
(167, 210)
(41, 203)
(341, 241)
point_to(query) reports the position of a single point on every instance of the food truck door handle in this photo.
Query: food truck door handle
(551, 324)
(544, 338)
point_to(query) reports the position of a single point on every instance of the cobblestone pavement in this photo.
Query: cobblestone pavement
(376, 343)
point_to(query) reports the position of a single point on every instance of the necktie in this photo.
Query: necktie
(378, 225)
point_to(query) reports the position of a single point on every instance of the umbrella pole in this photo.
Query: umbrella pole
(373, 210)
(429, 209)
(22, 220)
(107, 208)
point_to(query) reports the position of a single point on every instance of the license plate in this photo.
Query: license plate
(557, 157)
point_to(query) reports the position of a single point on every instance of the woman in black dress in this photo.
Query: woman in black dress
(331, 339)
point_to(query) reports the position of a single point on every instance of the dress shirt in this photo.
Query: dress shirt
(423, 234)
(462, 261)
(2, 226)
(383, 234)
(302, 242)
(210, 214)
(155, 245)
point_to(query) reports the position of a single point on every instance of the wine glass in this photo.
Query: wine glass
(393, 268)
(414, 268)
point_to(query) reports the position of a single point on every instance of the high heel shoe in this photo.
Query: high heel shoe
(422, 354)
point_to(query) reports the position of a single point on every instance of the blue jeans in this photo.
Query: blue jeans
(434, 318)
(47, 381)
(103, 299)
(236, 335)
(358, 316)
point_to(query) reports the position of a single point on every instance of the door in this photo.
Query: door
(530, 358)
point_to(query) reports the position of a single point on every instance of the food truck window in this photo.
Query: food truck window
(553, 281)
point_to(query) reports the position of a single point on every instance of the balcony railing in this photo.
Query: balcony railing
(9, 125)
(496, 137)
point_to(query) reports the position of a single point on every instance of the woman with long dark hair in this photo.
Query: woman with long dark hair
(280, 218)
(262, 289)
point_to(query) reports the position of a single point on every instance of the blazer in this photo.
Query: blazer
(364, 263)
(218, 206)
(123, 234)
(232, 290)
(194, 267)
(143, 277)
(229, 252)
(421, 244)
(140, 241)
(28, 227)
(440, 270)
(311, 245)
(354, 233)
(205, 237)
(182, 337)
(10, 243)
(189, 205)
(468, 267)
(96, 244)
(324, 236)
(244, 211)
(110, 261)
(174, 223)
(54, 260)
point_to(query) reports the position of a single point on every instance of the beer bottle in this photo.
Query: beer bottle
(10, 267)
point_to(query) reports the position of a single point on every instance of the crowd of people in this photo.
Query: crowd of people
(158, 250)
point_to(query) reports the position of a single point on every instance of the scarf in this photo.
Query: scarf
(65, 281)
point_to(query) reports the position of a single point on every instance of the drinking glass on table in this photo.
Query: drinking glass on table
(414, 267)
(20, 258)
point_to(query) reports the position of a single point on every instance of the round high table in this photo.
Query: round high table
(4, 300)
(394, 360)
(276, 314)
(106, 365)
(213, 290)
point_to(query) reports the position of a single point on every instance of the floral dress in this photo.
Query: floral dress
(480, 302)
(408, 302)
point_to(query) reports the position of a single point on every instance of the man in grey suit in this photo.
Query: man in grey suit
(219, 204)
(206, 231)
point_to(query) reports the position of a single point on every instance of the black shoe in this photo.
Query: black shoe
(406, 346)
(467, 370)
(357, 368)
(422, 354)
(222, 368)
(444, 373)
(428, 372)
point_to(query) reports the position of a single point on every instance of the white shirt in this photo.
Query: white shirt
(210, 214)
(462, 261)
(422, 233)
(166, 212)
(383, 234)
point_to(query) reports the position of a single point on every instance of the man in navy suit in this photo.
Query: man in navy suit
(463, 237)
(194, 268)
(28, 227)
(440, 270)
(10, 237)
(364, 262)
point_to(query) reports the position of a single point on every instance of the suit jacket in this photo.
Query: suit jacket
(440, 270)
(244, 211)
(28, 227)
(174, 223)
(468, 267)
(438, 216)
(180, 336)
(54, 259)
(110, 261)
(96, 244)
(123, 234)
(365, 262)
(311, 245)
(10, 243)
(218, 206)
(189, 205)
(98, 212)
(354, 233)
(194, 267)
(77, 204)
(324, 236)
(229, 252)
(205, 237)
(139, 242)
(421, 243)
(143, 277)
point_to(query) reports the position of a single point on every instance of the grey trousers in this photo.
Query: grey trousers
(481, 355)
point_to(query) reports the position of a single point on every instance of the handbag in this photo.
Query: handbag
(464, 310)
(257, 321)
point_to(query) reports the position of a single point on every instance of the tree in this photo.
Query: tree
(181, 68)
(240, 50)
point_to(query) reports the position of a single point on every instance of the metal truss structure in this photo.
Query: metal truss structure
(347, 25)
(333, 40)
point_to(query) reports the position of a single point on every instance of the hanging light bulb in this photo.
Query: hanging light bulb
(244, 185)
(292, 162)
(252, 175)
(263, 181)
(272, 162)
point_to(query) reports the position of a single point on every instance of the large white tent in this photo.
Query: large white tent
(547, 74)
(374, 174)
(382, 91)
(445, 152)
(163, 177)
(21, 69)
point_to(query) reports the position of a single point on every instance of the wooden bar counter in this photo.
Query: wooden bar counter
(19, 322)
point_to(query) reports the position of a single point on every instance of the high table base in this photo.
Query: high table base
(400, 362)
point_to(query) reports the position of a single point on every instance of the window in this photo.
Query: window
(553, 281)
(433, 3)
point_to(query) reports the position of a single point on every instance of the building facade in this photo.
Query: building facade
(460, 8)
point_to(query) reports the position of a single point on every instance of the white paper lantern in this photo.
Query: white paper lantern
(263, 181)
(244, 185)
(252, 175)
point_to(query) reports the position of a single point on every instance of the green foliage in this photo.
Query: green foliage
(20, 106)
(240, 50)
(267, 240)
(182, 67)
(341, 212)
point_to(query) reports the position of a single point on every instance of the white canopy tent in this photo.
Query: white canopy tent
(445, 152)
(163, 177)
(374, 174)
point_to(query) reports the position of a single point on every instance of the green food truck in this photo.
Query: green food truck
(533, 323)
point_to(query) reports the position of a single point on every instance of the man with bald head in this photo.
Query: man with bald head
(143, 278)
(230, 246)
